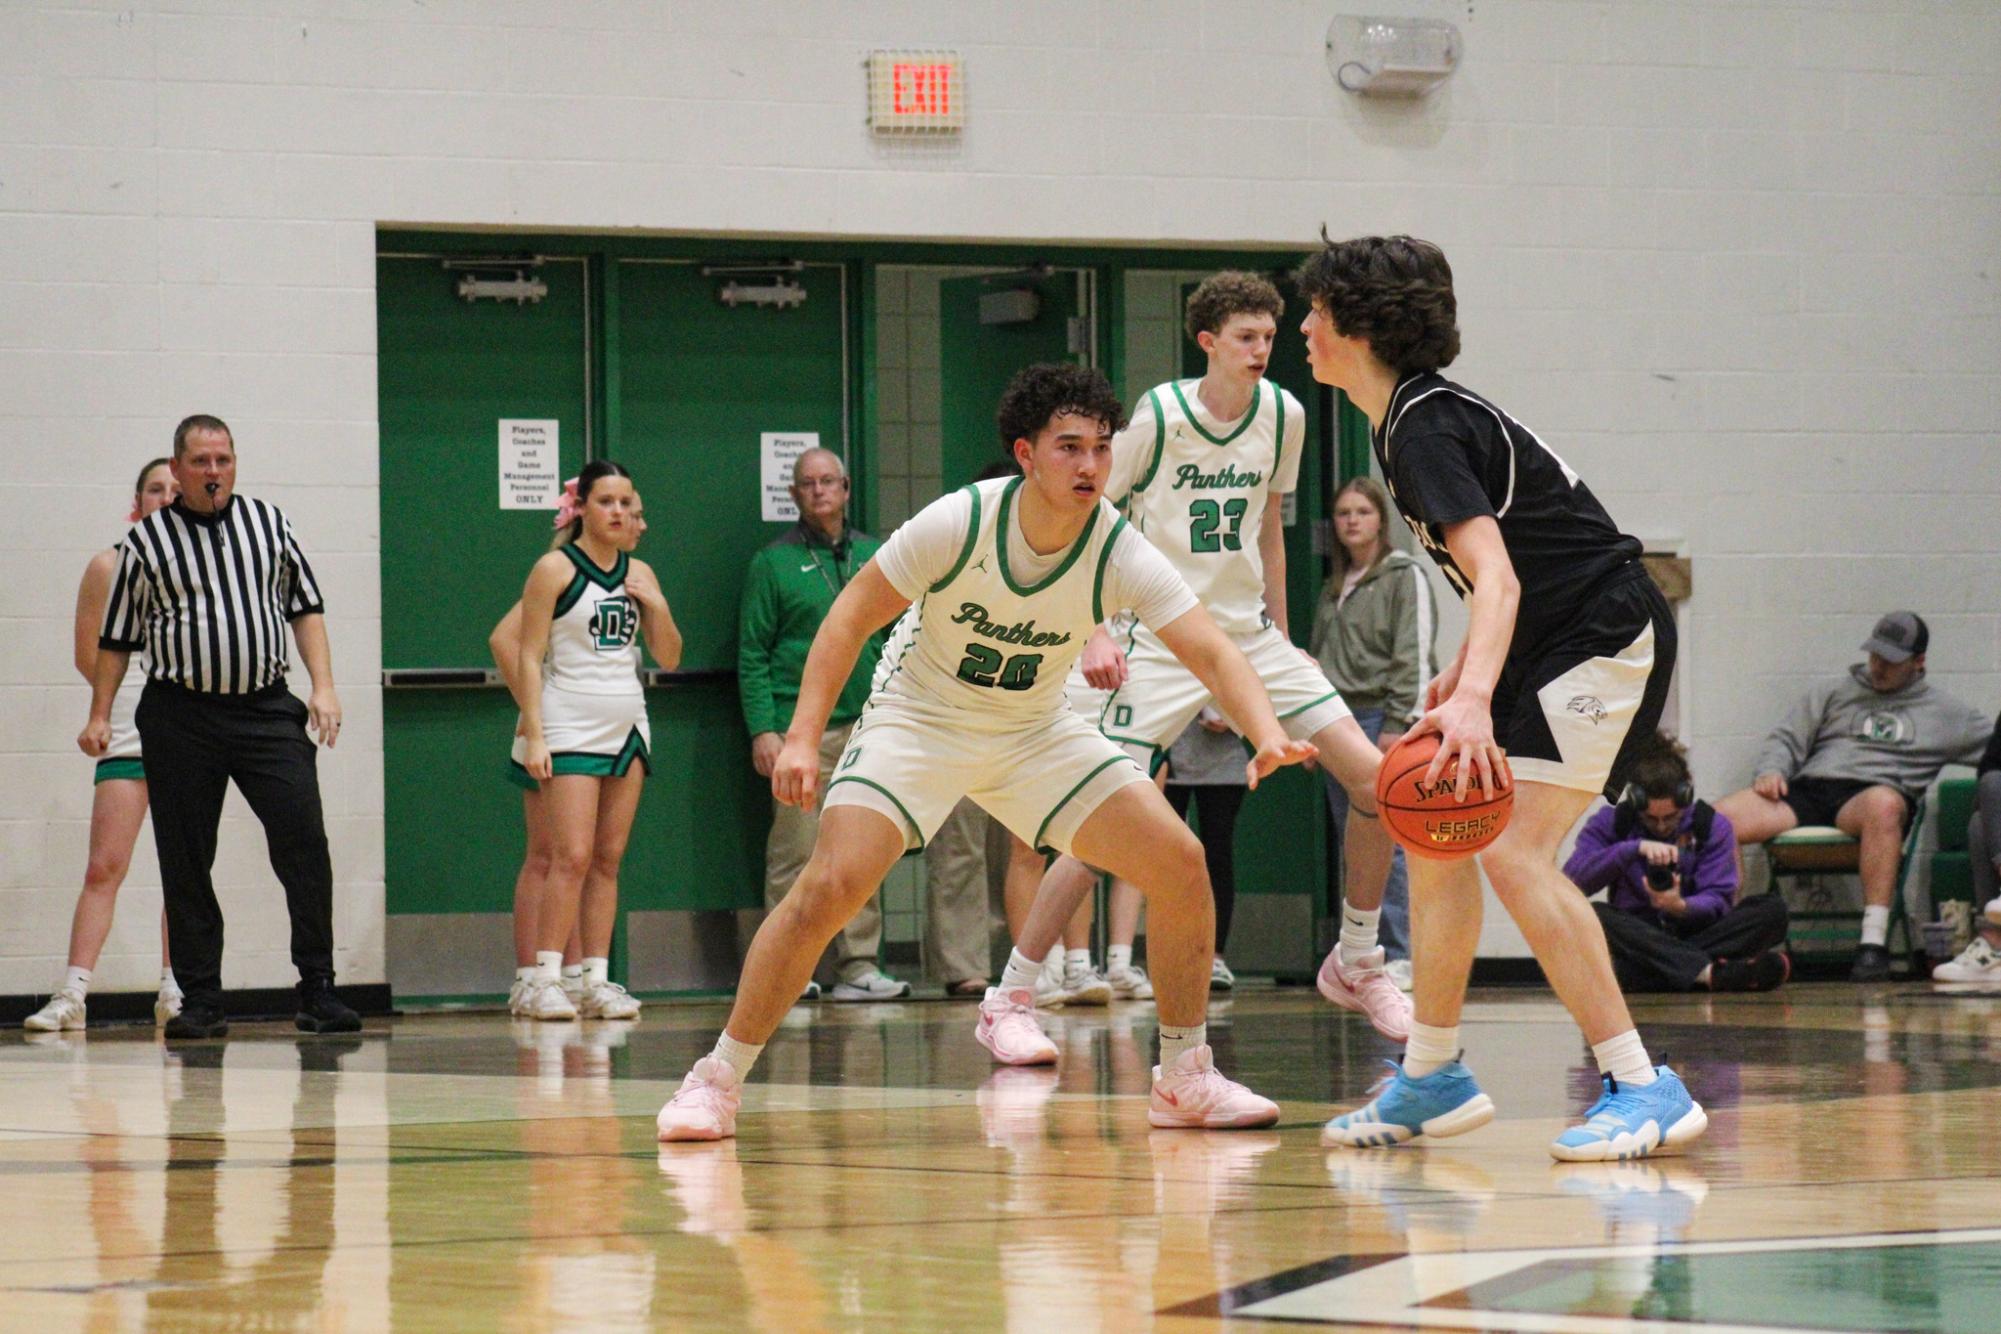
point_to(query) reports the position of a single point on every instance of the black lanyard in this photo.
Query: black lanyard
(839, 578)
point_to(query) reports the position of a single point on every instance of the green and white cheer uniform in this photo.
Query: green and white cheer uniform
(593, 705)
(969, 699)
(1197, 489)
(122, 759)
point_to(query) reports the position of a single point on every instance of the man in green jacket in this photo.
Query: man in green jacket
(790, 586)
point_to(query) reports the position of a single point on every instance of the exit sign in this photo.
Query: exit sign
(916, 92)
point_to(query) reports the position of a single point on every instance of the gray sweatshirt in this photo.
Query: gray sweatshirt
(1846, 730)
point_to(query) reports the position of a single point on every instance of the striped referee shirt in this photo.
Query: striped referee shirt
(208, 596)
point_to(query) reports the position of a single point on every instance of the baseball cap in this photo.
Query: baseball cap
(1899, 637)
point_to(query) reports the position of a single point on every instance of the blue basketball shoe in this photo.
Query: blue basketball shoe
(1634, 1122)
(1444, 1102)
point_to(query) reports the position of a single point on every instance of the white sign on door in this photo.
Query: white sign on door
(530, 467)
(779, 452)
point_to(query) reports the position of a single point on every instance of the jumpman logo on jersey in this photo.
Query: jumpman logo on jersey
(981, 564)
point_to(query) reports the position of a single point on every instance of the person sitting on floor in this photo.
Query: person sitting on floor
(1856, 753)
(1670, 863)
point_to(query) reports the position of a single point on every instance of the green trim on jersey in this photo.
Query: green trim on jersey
(1043, 828)
(1251, 415)
(1000, 545)
(903, 810)
(110, 770)
(1278, 432)
(1159, 440)
(966, 551)
(1313, 704)
(571, 595)
(1098, 584)
(605, 579)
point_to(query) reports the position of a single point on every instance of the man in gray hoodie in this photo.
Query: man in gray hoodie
(1856, 753)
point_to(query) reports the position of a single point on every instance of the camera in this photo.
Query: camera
(1659, 877)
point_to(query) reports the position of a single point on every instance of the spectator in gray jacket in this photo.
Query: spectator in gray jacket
(1375, 634)
(1857, 753)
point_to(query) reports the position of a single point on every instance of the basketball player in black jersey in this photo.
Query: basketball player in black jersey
(1564, 670)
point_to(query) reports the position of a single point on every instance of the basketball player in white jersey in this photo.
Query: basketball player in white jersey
(1203, 471)
(599, 904)
(1003, 582)
(584, 734)
(118, 805)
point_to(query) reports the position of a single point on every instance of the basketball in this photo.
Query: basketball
(1424, 819)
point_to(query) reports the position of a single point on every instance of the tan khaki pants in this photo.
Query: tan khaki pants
(956, 915)
(855, 948)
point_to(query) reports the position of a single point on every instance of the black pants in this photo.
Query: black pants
(1647, 957)
(1216, 806)
(195, 744)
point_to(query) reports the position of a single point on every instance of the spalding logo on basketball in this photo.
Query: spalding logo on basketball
(1425, 818)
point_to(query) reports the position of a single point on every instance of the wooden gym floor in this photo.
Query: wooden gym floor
(472, 1172)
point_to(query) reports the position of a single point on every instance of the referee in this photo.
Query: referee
(206, 585)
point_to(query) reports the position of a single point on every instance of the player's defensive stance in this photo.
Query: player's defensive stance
(1008, 579)
(1564, 671)
(1203, 472)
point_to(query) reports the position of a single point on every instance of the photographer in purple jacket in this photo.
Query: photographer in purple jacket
(1672, 918)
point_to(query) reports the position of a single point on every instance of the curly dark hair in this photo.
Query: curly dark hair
(1659, 766)
(1231, 292)
(1395, 291)
(1049, 389)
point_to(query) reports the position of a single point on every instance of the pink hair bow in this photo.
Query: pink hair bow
(133, 517)
(569, 507)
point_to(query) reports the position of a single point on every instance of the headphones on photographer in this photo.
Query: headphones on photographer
(1634, 799)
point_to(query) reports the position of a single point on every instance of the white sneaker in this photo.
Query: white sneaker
(1050, 993)
(64, 1010)
(1992, 912)
(1220, 976)
(812, 991)
(1130, 983)
(1399, 973)
(874, 985)
(1978, 962)
(518, 994)
(607, 1000)
(1087, 986)
(574, 987)
(167, 1004)
(548, 1001)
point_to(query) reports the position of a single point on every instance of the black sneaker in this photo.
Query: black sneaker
(1761, 972)
(1872, 964)
(321, 1011)
(200, 1017)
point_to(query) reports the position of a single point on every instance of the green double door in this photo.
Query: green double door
(634, 360)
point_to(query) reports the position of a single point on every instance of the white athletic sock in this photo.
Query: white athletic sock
(1174, 1041)
(167, 982)
(1875, 925)
(525, 973)
(77, 980)
(1021, 971)
(596, 970)
(1076, 963)
(573, 972)
(738, 1056)
(1429, 1049)
(548, 965)
(1358, 931)
(1052, 967)
(1625, 1059)
(1118, 958)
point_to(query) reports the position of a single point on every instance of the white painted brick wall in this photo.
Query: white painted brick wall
(1736, 258)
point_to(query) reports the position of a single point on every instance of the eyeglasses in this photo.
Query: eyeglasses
(820, 483)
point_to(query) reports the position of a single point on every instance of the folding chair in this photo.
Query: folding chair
(1821, 933)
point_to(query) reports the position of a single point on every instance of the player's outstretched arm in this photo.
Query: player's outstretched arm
(1464, 716)
(868, 603)
(1205, 650)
